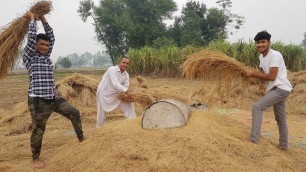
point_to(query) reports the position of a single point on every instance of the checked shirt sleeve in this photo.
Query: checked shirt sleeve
(49, 33)
(30, 48)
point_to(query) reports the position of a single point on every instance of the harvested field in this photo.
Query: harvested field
(212, 140)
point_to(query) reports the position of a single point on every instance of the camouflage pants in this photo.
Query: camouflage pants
(41, 109)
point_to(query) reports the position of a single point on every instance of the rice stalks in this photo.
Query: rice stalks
(141, 98)
(12, 35)
(79, 90)
(225, 72)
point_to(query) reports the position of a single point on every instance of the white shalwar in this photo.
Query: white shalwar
(113, 82)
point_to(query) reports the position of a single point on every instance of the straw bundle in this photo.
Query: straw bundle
(141, 98)
(212, 65)
(225, 72)
(11, 36)
(78, 89)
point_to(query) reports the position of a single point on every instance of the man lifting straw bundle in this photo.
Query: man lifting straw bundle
(42, 95)
(11, 37)
(226, 72)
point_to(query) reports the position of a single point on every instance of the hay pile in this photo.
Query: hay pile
(79, 90)
(224, 74)
(12, 35)
(207, 143)
(296, 99)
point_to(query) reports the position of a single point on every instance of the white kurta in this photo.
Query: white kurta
(113, 82)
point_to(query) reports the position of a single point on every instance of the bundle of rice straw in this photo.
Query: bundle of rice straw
(225, 72)
(12, 35)
(212, 65)
(80, 90)
(141, 98)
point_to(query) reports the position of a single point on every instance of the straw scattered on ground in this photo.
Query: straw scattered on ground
(141, 82)
(209, 142)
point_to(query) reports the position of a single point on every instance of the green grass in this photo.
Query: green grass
(166, 61)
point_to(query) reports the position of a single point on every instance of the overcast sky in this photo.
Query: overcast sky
(284, 19)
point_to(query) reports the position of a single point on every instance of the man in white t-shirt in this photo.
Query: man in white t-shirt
(115, 80)
(274, 72)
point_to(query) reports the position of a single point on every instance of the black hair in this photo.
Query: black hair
(43, 37)
(262, 35)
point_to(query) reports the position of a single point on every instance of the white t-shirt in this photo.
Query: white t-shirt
(275, 59)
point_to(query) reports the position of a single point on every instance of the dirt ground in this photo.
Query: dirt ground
(213, 139)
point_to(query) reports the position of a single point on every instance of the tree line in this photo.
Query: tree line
(87, 59)
(122, 25)
(84, 60)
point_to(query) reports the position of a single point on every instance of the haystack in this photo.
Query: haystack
(207, 143)
(296, 99)
(12, 35)
(80, 90)
(224, 74)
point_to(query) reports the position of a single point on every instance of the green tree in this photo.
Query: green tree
(105, 30)
(304, 42)
(124, 24)
(192, 21)
(63, 62)
(101, 59)
(163, 42)
(198, 25)
(74, 58)
(146, 20)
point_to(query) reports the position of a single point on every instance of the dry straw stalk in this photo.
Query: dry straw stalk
(224, 71)
(141, 98)
(12, 35)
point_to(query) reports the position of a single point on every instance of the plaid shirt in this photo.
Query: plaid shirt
(40, 67)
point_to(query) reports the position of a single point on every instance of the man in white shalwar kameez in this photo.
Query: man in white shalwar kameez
(114, 81)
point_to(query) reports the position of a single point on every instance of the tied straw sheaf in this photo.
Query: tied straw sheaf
(139, 95)
(12, 35)
(141, 98)
(224, 71)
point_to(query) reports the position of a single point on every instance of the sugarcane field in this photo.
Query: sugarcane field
(172, 103)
